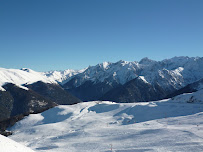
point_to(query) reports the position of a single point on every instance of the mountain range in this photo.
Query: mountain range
(24, 91)
(119, 81)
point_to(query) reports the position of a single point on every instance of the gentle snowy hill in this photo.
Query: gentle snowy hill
(8, 145)
(166, 125)
(20, 77)
(26, 91)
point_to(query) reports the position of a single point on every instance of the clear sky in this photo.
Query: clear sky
(72, 34)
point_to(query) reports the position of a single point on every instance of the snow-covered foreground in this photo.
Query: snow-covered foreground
(8, 145)
(166, 125)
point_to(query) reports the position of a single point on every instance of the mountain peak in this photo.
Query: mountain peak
(122, 62)
(105, 64)
(146, 60)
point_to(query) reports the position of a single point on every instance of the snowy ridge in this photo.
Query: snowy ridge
(121, 72)
(103, 126)
(176, 72)
(8, 145)
(62, 76)
(20, 77)
(98, 73)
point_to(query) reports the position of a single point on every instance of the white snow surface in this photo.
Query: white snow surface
(20, 77)
(102, 126)
(8, 145)
(143, 79)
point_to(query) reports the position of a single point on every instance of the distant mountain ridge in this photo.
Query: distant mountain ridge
(94, 82)
(176, 72)
(124, 71)
(170, 74)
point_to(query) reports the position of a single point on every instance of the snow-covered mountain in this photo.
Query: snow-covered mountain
(198, 85)
(26, 91)
(95, 81)
(170, 74)
(180, 71)
(166, 125)
(103, 126)
(22, 76)
(8, 145)
(135, 90)
(62, 76)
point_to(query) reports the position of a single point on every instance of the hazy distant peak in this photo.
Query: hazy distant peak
(146, 60)
(105, 65)
(179, 59)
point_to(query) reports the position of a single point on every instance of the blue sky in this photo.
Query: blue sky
(60, 34)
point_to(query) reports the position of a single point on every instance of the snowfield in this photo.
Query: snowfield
(161, 126)
(8, 145)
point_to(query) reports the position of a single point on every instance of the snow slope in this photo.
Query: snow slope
(8, 145)
(23, 76)
(166, 125)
